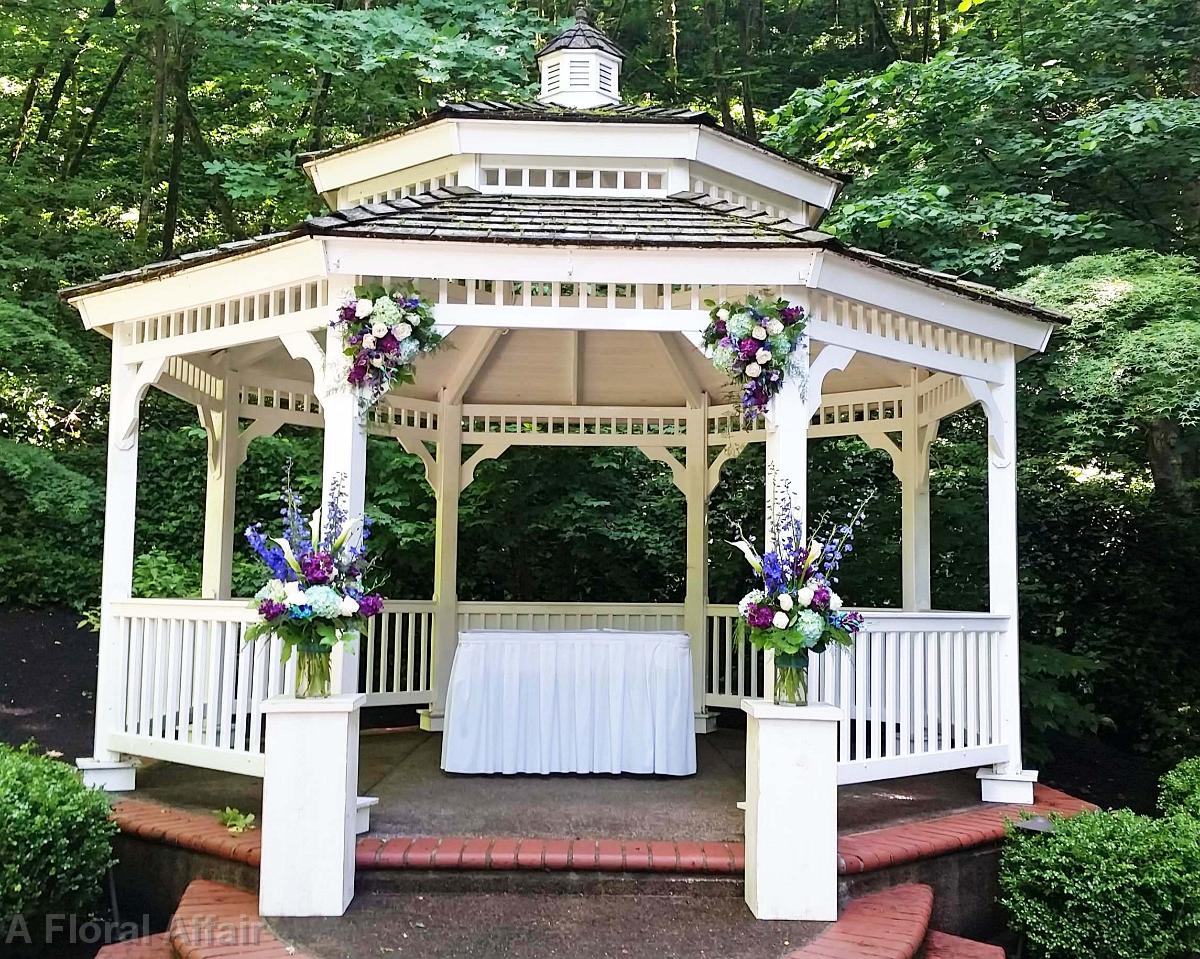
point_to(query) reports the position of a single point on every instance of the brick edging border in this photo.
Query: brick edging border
(857, 852)
(889, 924)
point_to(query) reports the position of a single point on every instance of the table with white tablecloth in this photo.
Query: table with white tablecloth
(589, 701)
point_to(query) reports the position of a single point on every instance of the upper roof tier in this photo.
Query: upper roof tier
(533, 148)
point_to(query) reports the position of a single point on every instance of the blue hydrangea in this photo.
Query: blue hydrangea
(324, 600)
(811, 626)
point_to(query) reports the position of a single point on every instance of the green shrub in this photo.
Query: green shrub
(1106, 885)
(55, 837)
(1179, 790)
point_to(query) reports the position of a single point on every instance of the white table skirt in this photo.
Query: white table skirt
(592, 701)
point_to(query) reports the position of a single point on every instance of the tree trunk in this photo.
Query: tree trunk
(943, 24)
(749, 49)
(158, 62)
(89, 130)
(1165, 453)
(713, 18)
(171, 208)
(221, 204)
(31, 90)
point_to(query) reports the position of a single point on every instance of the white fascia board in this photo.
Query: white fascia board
(845, 276)
(493, 261)
(719, 150)
(385, 156)
(292, 261)
(582, 140)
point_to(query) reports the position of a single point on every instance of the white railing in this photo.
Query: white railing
(395, 656)
(920, 690)
(193, 688)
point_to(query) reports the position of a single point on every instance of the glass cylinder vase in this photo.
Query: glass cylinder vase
(313, 673)
(791, 679)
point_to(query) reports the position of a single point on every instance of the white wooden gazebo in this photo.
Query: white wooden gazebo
(568, 247)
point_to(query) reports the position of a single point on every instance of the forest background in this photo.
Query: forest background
(1046, 146)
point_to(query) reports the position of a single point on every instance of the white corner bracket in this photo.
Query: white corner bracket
(829, 359)
(998, 427)
(126, 410)
(303, 345)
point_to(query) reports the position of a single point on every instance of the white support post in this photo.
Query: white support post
(105, 768)
(913, 473)
(224, 454)
(445, 562)
(1007, 781)
(791, 868)
(344, 466)
(695, 603)
(309, 806)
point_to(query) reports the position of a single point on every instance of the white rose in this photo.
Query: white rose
(368, 341)
(805, 596)
(723, 315)
(775, 327)
(785, 602)
(401, 330)
(835, 601)
(293, 595)
(363, 308)
(377, 361)
(753, 370)
(413, 318)
(763, 356)
(759, 333)
(349, 606)
(379, 330)
(780, 620)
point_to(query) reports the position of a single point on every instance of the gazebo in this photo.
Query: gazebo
(568, 247)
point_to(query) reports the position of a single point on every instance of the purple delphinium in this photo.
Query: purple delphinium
(268, 552)
(772, 572)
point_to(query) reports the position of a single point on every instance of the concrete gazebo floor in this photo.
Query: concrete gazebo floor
(401, 768)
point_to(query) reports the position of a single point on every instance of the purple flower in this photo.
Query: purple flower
(358, 372)
(347, 311)
(268, 552)
(317, 568)
(719, 329)
(370, 605)
(772, 571)
(821, 597)
(760, 616)
(388, 344)
(791, 314)
(747, 348)
(269, 609)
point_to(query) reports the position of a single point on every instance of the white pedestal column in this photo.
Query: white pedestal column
(695, 603)
(309, 806)
(791, 810)
(221, 427)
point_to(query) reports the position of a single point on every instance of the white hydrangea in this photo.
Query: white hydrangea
(740, 325)
(386, 312)
(752, 598)
(293, 595)
(753, 370)
(363, 308)
(273, 591)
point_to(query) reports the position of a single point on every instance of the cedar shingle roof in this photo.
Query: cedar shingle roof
(582, 35)
(683, 220)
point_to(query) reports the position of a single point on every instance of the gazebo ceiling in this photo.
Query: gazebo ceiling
(572, 368)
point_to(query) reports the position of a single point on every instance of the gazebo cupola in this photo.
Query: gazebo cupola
(580, 68)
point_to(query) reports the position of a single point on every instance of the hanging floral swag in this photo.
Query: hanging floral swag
(753, 343)
(386, 330)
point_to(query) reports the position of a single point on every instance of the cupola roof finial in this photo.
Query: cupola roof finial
(581, 67)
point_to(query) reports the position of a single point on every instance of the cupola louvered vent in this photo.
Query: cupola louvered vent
(581, 67)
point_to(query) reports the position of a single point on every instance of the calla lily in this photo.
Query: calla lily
(351, 527)
(288, 556)
(749, 552)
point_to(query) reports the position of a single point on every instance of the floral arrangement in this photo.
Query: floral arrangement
(753, 343)
(315, 597)
(385, 332)
(797, 610)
